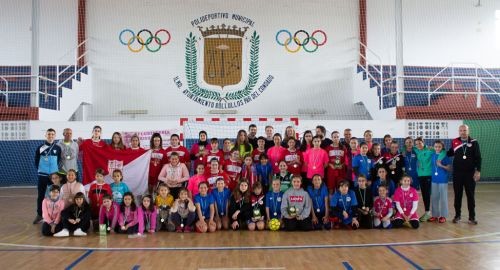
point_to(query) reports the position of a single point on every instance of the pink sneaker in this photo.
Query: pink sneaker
(442, 219)
(188, 229)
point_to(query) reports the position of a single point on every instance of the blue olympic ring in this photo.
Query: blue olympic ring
(301, 43)
(140, 40)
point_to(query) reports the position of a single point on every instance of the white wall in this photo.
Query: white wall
(58, 24)
(131, 81)
(436, 33)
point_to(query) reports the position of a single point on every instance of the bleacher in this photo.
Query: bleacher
(416, 81)
(18, 79)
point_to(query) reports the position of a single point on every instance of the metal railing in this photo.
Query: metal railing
(378, 71)
(476, 77)
(46, 82)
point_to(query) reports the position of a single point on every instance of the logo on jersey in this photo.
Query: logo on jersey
(222, 62)
(296, 199)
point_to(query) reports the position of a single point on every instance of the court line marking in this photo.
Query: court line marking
(347, 266)
(245, 268)
(81, 258)
(412, 263)
(136, 267)
(162, 249)
(423, 242)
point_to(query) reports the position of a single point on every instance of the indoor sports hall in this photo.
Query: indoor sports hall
(123, 121)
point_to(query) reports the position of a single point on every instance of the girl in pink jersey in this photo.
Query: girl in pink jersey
(406, 199)
(316, 160)
(146, 215)
(195, 180)
(276, 153)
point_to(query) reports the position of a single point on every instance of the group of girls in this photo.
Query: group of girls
(316, 183)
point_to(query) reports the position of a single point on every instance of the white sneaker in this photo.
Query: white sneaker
(62, 233)
(79, 232)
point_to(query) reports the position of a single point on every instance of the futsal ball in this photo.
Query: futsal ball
(274, 224)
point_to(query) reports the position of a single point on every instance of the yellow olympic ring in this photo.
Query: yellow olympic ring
(297, 41)
(141, 41)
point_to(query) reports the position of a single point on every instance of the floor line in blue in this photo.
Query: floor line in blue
(418, 267)
(136, 267)
(81, 258)
(347, 266)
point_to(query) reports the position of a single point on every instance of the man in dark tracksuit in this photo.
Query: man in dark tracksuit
(466, 171)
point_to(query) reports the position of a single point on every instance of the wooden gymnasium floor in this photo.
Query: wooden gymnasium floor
(433, 246)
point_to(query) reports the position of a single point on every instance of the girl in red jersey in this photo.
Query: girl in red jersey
(200, 149)
(293, 158)
(215, 152)
(117, 142)
(261, 149)
(233, 168)
(96, 192)
(257, 199)
(382, 209)
(337, 169)
(242, 145)
(179, 149)
(227, 145)
(316, 160)
(85, 146)
(158, 159)
(215, 173)
(248, 170)
(135, 143)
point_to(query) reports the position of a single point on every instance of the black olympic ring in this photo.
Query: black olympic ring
(301, 42)
(144, 42)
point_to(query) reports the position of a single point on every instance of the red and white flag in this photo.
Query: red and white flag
(134, 165)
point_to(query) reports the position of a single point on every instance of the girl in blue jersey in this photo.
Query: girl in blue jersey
(439, 184)
(320, 208)
(221, 196)
(344, 208)
(118, 187)
(273, 201)
(205, 210)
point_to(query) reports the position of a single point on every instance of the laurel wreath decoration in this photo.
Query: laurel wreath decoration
(192, 71)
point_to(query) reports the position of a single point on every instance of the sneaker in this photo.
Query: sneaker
(456, 220)
(62, 233)
(178, 229)
(472, 222)
(442, 219)
(188, 229)
(79, 232)
(38, 219)
(425, 217)
(432, 219)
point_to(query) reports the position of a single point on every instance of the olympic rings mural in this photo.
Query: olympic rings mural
(144, 39)
(301, 39)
